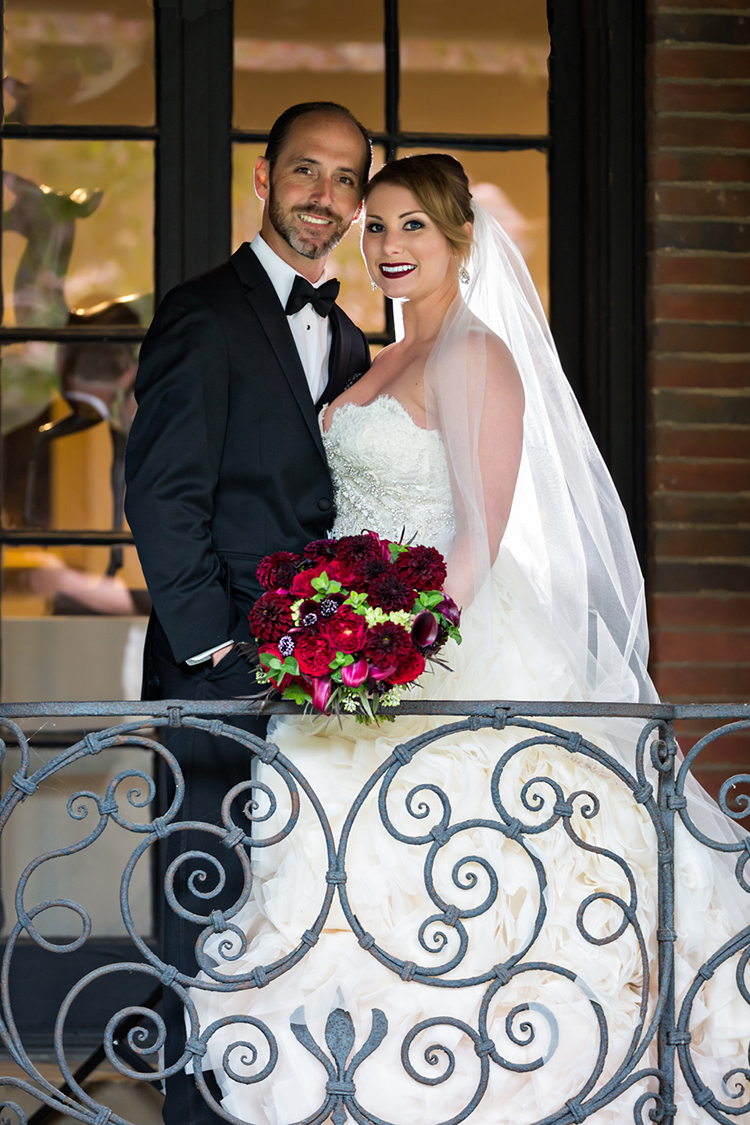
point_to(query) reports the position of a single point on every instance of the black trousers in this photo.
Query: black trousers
(211, 766)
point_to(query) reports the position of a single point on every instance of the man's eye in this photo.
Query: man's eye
(347, 180)
(305, 169)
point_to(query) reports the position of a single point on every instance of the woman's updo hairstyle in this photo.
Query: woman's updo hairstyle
(440, 186)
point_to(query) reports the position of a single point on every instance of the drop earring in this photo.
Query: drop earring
(374, 286)
(463, 275)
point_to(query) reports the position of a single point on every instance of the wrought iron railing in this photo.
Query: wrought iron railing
(659, 1054)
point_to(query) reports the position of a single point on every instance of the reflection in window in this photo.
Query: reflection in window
(474, 68)
(75, 65)
(357, 297)
(42, 582)
(78, 226)
(67, 411)
(293, 51)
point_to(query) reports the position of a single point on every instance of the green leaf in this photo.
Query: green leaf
(297, 694)
(324, 585)
(397, 549)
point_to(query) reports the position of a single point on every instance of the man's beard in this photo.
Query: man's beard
(283, 223)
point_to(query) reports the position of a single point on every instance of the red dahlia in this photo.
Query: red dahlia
(278, 570)
(354, 548)
(387, 644)
(368, 569)
(270, 617)
(314, 653)
(391, 592)
(321, 549)
(422, 567)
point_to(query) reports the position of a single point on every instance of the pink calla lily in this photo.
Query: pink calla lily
(355, 674)
(321, 691)
(382, 673)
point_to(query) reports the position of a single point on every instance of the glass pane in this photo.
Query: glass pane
(513, 187)
(66, 412)
(78, 226)
(357, 298)
(79, 64)
(42, 823)
(70, 630)
(304, 50)
(474, 68)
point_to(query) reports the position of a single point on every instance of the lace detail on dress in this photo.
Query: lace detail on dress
(389, 474)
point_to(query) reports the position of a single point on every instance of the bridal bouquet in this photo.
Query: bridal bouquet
(351, 622)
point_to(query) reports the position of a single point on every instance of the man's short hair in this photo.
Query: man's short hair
(283, 123)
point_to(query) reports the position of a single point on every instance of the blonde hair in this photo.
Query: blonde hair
(441, 187)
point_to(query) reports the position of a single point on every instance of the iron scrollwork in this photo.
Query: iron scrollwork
(659, 784)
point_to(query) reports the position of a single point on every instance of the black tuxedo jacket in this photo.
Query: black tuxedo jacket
(225, 461)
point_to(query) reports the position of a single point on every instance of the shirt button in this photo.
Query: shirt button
(324, 504)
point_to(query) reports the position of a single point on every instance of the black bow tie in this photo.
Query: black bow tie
(303, 293)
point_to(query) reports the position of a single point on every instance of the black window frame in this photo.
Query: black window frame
(596, 160)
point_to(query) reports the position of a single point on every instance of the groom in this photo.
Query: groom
(225, 464)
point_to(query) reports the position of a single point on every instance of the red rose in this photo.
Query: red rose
(410, 666)
(422, 567)
(346, 630)
(278, 570)
(302, 585)
(270, 617)
(314, 653)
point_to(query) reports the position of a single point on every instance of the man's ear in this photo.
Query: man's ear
(262, 178)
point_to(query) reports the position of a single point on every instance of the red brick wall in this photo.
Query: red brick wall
(698, 107)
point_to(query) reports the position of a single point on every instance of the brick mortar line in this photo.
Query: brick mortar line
(699, 185)
(708, 496)
(698, 288)
(695, 45)
(703, 560)
(672, 80)
(672, 252)
(696, 150)
(726, 220)
(718, 357)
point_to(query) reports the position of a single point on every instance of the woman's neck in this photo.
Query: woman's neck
(423, 317)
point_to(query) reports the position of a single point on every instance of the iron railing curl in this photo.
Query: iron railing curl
(135, 1035)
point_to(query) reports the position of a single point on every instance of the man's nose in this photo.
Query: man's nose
(322, 193)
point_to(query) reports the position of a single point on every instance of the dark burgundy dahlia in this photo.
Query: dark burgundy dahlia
(387, 644)
(391, 592)
(422, 567)
(270, 617)
(354, 549)
(320, 550)
(368, 569)
(278, 570)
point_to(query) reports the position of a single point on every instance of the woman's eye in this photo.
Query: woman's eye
(375, 228)
(413, 224)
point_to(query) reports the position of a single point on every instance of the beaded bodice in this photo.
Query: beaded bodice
(389, 474)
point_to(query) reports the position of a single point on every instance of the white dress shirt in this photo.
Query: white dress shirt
(312, 335)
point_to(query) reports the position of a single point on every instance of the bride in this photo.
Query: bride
(485, 911)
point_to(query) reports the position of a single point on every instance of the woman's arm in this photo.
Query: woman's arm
(484, 477)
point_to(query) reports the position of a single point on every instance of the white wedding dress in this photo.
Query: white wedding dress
(545, 1016)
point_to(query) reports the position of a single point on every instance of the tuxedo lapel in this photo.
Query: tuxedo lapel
(338, 359)
(262, 298)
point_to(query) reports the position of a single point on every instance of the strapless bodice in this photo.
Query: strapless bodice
(389, 474)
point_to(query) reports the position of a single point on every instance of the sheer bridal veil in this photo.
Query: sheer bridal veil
(567, 534)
